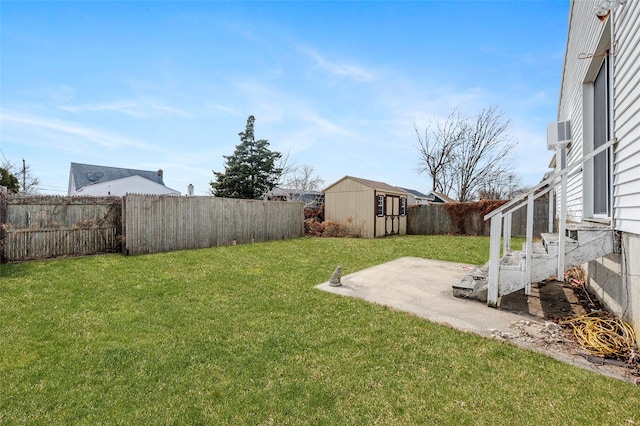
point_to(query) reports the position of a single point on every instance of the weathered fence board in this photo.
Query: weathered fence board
(30, 244)
(40, 227)
(434, 219)
(43, 212)
(160, 223)
(429, 219)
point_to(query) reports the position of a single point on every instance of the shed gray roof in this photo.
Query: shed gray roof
(87, 174)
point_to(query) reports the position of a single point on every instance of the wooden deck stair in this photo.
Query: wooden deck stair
(574, 243)
(583, 242)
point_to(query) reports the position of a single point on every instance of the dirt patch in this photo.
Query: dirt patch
(548, 303)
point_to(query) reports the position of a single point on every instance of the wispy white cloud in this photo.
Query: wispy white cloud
(54, 129)
(338, 69)
(314, 130)
(47, 93)
(295, 118)
(224, 109)
(135, 109)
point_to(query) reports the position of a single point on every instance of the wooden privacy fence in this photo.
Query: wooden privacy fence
(25, 244)
(438, 219)
(159, 223)
(39, 227)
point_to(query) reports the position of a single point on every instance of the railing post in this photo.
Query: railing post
(3, 220)
(494, 260)
(529, 246)
(562, 220)
(552, 210)
(506, 232)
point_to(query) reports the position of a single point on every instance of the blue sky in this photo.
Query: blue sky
(337, 85)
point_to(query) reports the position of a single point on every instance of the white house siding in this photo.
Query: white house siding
(585, 36)
(615, 279)
(626, 191)
(588, 35)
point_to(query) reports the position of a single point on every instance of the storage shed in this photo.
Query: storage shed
(368, 208)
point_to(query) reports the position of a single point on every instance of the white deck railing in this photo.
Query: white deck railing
(501, 221)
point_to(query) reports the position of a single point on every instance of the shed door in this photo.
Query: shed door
(392, 217)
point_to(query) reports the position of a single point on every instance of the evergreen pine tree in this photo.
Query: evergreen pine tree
(251, 171)
(9, 180)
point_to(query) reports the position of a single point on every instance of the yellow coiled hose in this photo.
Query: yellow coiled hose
(603, 335)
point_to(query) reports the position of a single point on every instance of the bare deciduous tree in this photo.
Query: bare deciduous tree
(436, 147)
(28, 183)
(465, 156)
(303, 179)
(484, 154)
(504, 185)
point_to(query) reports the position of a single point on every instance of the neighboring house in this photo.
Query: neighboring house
(88, 179)
(438, 197)
(368, 208)
(417, 197)
(599, 95)
(283, 194)
(596, 178)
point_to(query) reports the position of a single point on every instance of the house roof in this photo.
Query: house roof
(370, 183)
(443, 197)
(129, 185)
(414, 192)
(88, 174)
(284, 191)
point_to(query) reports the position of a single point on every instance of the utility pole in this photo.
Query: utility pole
(24, 176)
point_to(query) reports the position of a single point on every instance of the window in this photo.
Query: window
(403, 206)
(601, 135)
(380, 205)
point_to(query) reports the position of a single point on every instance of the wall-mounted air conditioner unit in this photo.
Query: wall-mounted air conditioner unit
(558, 134)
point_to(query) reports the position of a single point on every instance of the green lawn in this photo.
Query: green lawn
(239, 335)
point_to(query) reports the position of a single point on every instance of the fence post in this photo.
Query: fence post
(529, 245)
(3, 221)
(123, 227)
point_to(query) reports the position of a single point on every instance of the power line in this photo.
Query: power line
(5, 158)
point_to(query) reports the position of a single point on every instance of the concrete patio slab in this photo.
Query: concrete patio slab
(424, 287)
